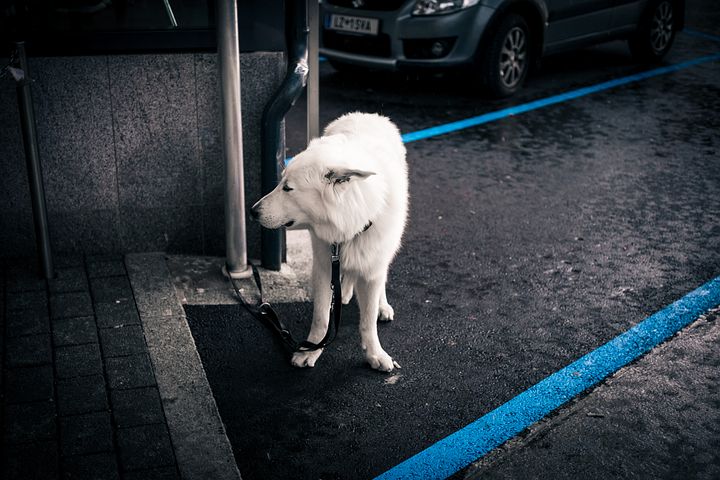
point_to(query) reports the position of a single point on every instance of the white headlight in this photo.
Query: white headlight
(436, 7)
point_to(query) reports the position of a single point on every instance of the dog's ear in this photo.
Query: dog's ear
(339, 175)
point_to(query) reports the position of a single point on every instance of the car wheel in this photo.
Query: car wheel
(655, 33)
(506, 61)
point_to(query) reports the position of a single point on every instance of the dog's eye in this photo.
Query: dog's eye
(286, 188)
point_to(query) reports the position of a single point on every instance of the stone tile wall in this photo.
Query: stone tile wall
(131, 152)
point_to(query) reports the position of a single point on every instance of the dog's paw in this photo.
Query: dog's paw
(385, 313)
(381, 361)
(305, 359)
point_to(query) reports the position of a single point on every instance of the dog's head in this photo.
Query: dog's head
(316, 193)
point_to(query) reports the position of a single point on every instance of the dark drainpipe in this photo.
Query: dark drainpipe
(273, 146)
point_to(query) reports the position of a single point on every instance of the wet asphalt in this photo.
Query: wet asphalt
(532, 240)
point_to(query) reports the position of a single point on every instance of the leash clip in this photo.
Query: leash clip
(335, 252)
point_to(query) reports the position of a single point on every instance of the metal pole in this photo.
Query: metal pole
(313, 88)
(34, 170)
(229, 60)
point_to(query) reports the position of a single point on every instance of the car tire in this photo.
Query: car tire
(656, 32)
(507, 57)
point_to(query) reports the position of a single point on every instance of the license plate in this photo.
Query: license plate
(345, 23)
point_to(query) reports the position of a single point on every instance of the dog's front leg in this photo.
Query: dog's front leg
(369, 293)
(321, 306)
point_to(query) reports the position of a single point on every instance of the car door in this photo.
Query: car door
(574, 22)
(626, 15)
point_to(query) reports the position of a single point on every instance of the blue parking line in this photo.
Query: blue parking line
(544, 102)
(455, 452)
(706, 36)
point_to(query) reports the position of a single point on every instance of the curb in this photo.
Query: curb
(201, 446)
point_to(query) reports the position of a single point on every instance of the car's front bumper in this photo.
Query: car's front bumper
(397, 28)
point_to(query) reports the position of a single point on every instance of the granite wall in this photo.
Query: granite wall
(131, 152)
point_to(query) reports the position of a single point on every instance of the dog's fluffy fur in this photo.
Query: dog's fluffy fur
(353, 175)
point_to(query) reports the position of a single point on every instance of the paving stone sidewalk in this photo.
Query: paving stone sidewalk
(79, 397)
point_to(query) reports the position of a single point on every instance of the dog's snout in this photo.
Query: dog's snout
(255, 211)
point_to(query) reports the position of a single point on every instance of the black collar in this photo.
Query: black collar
(335, 247)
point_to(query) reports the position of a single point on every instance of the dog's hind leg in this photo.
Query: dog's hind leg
(386, 311)
(368, 293)
(348, 288)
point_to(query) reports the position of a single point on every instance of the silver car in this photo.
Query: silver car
(497, 40)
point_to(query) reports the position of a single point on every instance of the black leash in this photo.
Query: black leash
(266, 315)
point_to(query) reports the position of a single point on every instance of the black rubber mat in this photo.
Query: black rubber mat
(337, 420)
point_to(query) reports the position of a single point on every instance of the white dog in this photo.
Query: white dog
(348, 187)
